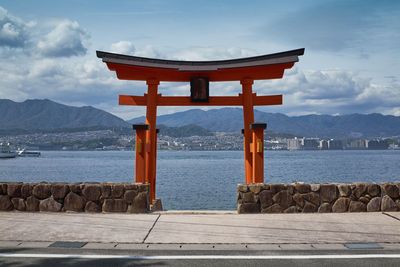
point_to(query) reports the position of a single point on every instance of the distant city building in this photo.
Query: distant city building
(323, 144)
(310, 143)
(109, 140)
(335, 144)
(294, 144)
(358, 144)
(378, 144)
(394, 146)
(274, 145)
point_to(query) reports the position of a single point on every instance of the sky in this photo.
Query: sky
(351, 62)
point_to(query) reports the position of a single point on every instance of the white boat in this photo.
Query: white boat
(25, 153)
(6, 152)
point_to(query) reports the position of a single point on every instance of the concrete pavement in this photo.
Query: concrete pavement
(276, 228)
(192, 228)
(199, 239)
(104, 228)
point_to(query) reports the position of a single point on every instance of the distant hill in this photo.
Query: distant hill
(46, 115)
(231, 120)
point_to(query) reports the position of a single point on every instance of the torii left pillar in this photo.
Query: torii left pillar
(248, 119)
(151, 135)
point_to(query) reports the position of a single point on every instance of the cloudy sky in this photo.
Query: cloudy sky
(351, 63)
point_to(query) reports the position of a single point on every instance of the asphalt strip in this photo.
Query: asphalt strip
(203, 257)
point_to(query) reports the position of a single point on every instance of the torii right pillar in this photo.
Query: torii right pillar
(253, 137)
(248, 119)
(257, 150)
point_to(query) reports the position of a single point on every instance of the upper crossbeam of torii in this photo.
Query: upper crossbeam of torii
(199, 74)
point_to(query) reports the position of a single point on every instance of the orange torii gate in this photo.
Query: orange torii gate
(199, 74)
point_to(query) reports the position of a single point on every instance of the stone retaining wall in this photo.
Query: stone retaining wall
(81, 197)
(300, 197)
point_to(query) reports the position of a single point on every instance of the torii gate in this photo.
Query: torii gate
(199, 74)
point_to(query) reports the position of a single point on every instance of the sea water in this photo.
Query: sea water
(205, 179)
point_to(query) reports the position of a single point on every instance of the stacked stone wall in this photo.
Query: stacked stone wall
(301, 197)
(81, 197)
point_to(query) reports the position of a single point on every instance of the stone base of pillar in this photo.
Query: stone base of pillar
(157, 205)
(322, 198)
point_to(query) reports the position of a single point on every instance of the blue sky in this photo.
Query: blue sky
(351, 64)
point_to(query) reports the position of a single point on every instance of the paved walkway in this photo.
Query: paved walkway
(196, 230)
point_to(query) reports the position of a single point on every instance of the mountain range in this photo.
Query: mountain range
(47, 115)
(343, 126)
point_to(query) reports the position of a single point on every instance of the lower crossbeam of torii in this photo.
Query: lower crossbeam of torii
(199, 74)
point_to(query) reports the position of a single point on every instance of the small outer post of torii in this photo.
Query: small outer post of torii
(155, 161)
(140, 160)
(257, 149)
(151, 117)
(248, 118)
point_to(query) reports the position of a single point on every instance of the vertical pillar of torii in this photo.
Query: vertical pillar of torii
(151, 135)
(140, 159)
(257, 151)
(248, 118)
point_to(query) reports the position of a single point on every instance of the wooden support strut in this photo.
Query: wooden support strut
(155, 163)
(140, 161)
(266, 100)
(258, 151)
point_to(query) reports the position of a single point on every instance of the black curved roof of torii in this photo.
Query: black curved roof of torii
(144, 60)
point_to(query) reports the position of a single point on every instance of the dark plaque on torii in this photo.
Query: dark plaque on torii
(199, 89)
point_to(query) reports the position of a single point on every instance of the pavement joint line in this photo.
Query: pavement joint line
(196, 212)
(391, 216)
(363, 245)
(154, 224)
(202, 257)
(68, 244)
(204, 243)
(207, 243)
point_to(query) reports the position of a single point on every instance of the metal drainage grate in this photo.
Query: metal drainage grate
(363, 246)
(61, 244)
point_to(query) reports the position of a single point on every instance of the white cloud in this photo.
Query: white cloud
(149, 51)
(123, 47)
(211, 53)
(53, 73)
(13, 31)
(330, 92)
(44, 69)
(193, 53)
(65, 40)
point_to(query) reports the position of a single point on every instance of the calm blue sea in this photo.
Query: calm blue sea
(205, 179)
